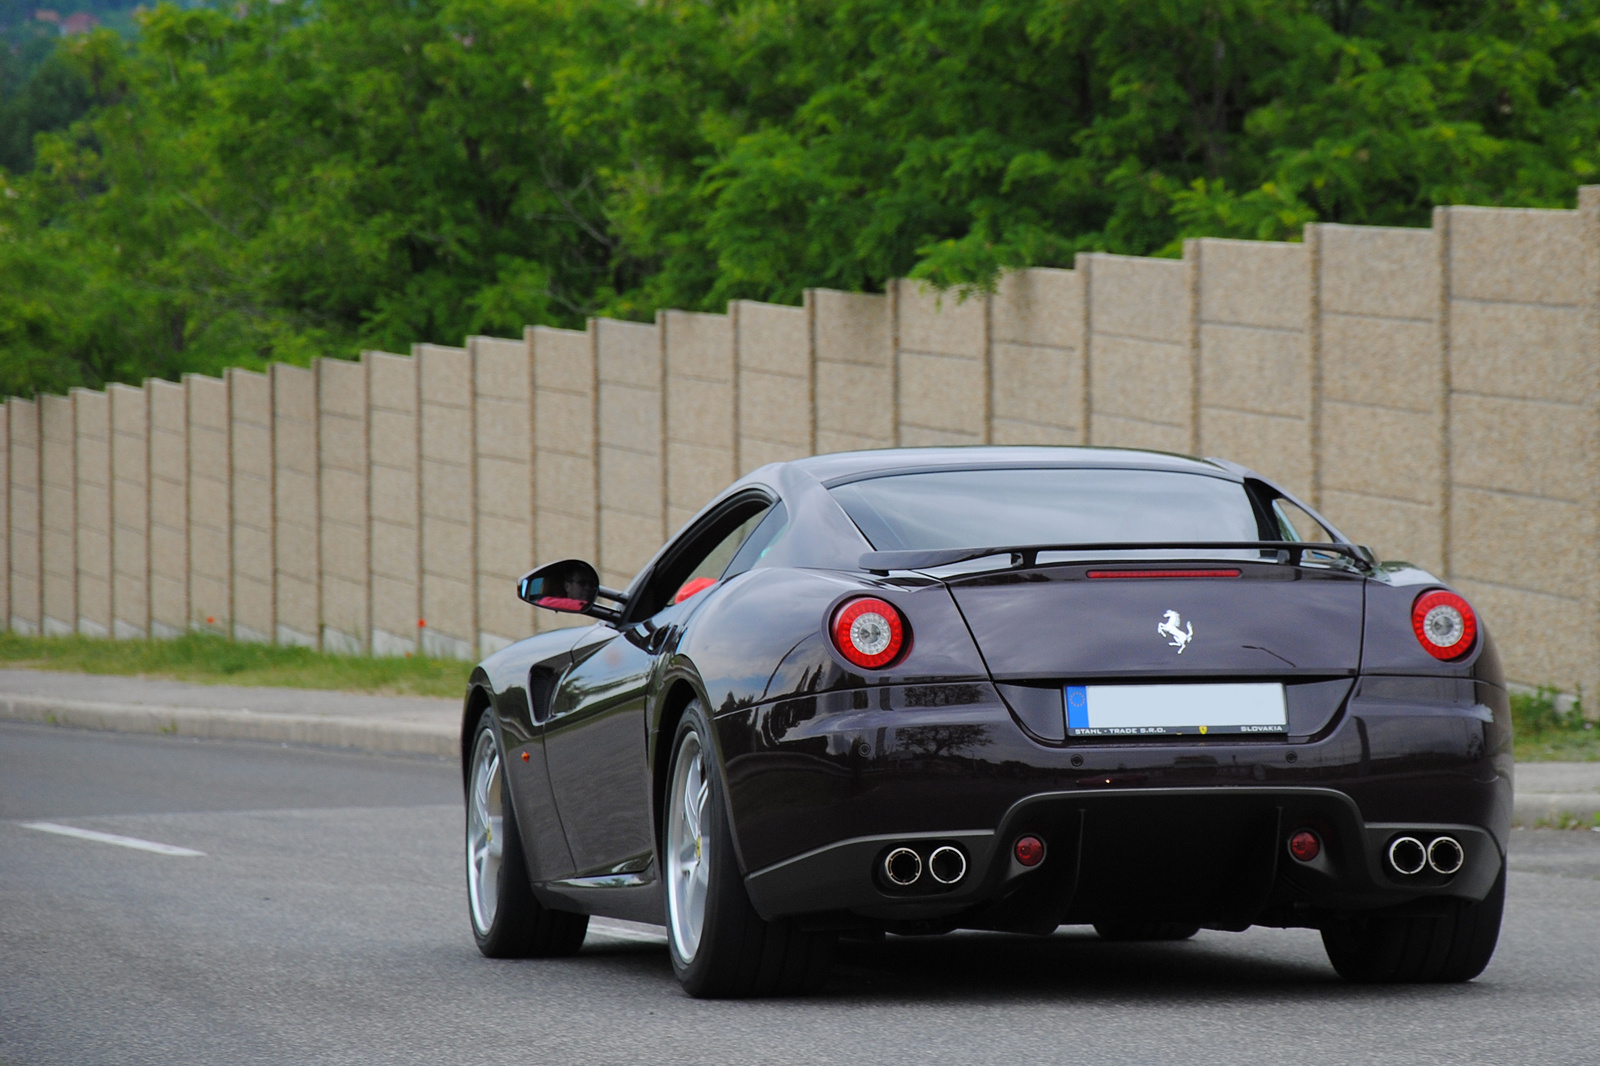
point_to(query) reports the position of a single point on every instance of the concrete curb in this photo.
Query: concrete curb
(1555, 808)
(408, 738)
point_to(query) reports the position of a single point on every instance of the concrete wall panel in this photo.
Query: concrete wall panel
(342, 507)
(632, 447)
(1263, 371)
(210, 505)
(1519, 256)
(1537, 449)
(1148, 381)
(701, 411)
(1394, 528)
(1141, 362)
(1037, 369)
(448, 504)
(92, 419)
(1255, 389)
(169, 508)
(1382, 362)
(503, 424)
(855, 371)
(1519, 350)
(254, 616)
(130, 512)
(1374, 270)
(1381, 450)
(26, 565)
(1143, 298)
(58, 514)
(1381, 376)
(566, 489)
(1550, 638)
(776, 383)
(942, 366)
(1255, 283)
(297, 552)
(1272, 445)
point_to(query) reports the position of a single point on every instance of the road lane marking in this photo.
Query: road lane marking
(110, 838)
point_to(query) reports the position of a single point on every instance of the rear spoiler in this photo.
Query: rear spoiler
(1027, 555)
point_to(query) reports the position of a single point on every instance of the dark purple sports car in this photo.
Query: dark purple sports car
(994, 688)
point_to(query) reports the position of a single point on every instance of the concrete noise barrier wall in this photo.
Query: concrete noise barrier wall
(1436, 392)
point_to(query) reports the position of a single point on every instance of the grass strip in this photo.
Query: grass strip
(216, 660)
(1545, 732)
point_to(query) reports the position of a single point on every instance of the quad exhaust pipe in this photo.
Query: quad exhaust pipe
(1409, 856)
(903, 866)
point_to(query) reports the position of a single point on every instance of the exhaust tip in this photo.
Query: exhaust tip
(1446, 855)
(903, 867)
(1407, 855)
(947, 865)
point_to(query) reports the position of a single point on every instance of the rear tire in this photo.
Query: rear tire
(720, 947)
(1147, 931)
(1384, 947)
(507, 921)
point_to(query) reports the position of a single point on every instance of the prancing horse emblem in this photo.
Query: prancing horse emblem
(1176, 637)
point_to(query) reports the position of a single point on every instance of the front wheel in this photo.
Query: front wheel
(507, 921)
(1451, 942)
(720, 946)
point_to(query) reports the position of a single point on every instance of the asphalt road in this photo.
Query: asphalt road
(325, 923)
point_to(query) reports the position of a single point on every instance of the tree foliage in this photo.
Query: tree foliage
(278, 180)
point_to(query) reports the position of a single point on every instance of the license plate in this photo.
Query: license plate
(1175, 710)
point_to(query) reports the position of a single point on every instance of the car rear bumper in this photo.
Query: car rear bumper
(1190, 832)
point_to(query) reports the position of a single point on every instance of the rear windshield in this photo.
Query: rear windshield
(982, 508)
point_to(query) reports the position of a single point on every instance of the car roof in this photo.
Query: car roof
(851, 466)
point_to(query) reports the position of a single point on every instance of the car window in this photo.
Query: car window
(773, 525)
(1295, 523)
(978, 508)
(699, 561)
(717, 560)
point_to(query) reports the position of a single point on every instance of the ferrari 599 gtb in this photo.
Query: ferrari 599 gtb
(922, 690)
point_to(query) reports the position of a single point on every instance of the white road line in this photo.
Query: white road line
(110, 838)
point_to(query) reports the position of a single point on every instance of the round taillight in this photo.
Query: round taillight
(1444, 624)
(869, 632)
(1305, 846)
(1029, 850)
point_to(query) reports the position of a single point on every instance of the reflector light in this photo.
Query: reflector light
(1305, 846)
(1163, 573)
(869, 632)
(1444, 624)
(1029, 851)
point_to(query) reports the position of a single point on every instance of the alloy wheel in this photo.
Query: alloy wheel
(688, 864)
(484, 842)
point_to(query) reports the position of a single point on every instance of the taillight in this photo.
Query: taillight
(1444, 624)
(869, 632)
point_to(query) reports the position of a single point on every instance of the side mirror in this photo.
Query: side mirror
(570, 586)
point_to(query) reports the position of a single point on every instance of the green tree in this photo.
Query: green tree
(279, 180)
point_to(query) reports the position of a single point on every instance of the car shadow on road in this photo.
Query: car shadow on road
(1070, 961)
(1076, 963)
